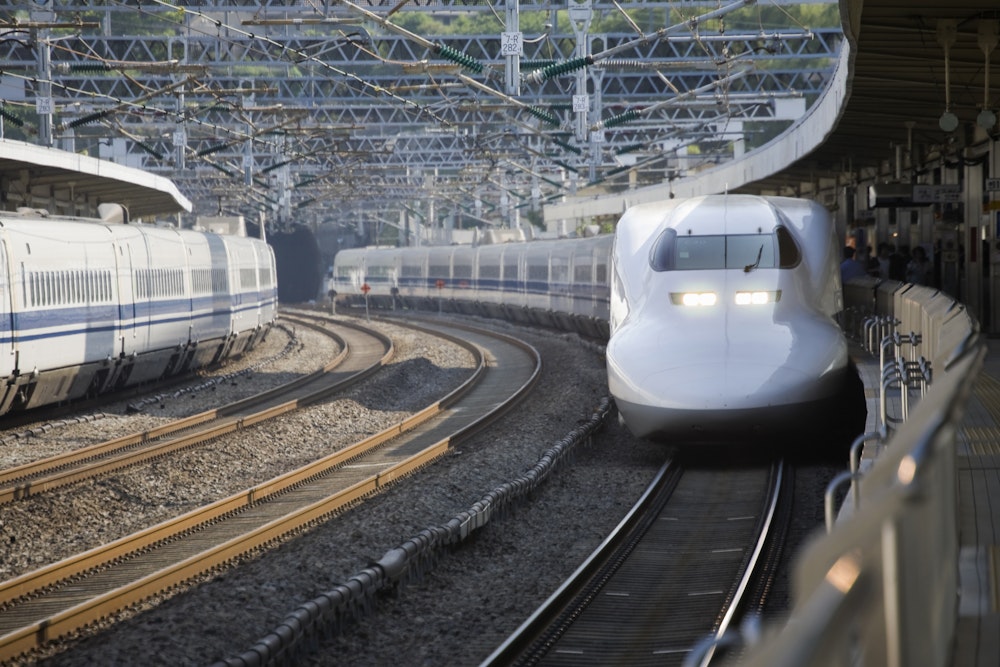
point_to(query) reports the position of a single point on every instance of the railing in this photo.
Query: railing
(881, 588)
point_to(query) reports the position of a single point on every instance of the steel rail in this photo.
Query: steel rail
(675, 570)
(158, 559)
(69, 468)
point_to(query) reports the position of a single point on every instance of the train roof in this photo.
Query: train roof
(40, 177)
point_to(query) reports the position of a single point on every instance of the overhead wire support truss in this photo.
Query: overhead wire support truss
(310, 58)
(443, 50)
(573, 64)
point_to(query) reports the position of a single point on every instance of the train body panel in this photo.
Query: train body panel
(540, 281)
(89, 306)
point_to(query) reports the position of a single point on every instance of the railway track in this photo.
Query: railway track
(675, 570)
(363, 352)
(55, 600)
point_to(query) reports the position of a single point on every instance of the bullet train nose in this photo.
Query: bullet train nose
(724, 385)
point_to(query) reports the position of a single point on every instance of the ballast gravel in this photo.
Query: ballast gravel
(456, 613)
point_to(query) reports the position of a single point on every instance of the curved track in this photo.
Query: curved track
(668, 576)
(78, 591)
(363, 352)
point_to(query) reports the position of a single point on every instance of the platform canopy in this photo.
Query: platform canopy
(74, 184)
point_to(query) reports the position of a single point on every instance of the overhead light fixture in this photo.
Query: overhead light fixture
(946, 32)
(948, 122)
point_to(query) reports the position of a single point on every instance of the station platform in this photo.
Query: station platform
(977, 639)
(978, 450)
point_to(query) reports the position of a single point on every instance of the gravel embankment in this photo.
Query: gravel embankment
(458, 612)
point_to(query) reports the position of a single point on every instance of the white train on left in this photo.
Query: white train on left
(719, 311)
(88, 306)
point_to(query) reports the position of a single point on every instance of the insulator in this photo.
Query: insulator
(544, 115)
(89, 67)
(275, 166)
(225, 171)
(531, 65)
(558, 69)
(457, 56)
(89, 118)
(212, 149)
(11, 118)
(618, 64)
(629, 149)
(567, 166)
(569, 147)
(622, 118)
(149, 149)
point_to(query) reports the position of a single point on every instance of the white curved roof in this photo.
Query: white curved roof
(42, 177)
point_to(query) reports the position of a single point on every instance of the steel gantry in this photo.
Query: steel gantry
(326, 110)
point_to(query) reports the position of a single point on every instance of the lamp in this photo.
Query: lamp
(946, 31)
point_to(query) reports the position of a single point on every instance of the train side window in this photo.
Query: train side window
(661, 255)
(538, 272)
(510, 271)
(789, 254)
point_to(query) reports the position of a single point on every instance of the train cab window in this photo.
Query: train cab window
(673, 252)
(750, 250)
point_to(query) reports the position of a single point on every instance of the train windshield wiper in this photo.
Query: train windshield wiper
(750, 267)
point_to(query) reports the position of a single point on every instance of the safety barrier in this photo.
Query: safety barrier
(881, 587)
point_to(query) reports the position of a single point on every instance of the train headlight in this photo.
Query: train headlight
(757, 298)
(693, 298)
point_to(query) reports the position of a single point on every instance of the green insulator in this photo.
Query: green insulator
(8, 116)
(149, 149)
(629, 149)
(456, 56)
(569, 147)
(531, 65)
(567, 166)
(566, 67)
(211, 149)
(225, 171)
(89, 118)
(544, 115)
(622, 118)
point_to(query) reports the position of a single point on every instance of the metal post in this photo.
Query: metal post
(512, 48)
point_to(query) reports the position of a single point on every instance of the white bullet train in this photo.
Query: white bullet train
(88, 306)
(720, 309)
(722, 317)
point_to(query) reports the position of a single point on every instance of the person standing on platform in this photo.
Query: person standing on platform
(851, 268)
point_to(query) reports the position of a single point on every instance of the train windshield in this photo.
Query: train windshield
(731, 251)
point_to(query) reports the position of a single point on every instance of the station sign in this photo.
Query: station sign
(932, 194)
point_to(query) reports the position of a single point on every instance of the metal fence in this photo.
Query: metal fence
(881, 587)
